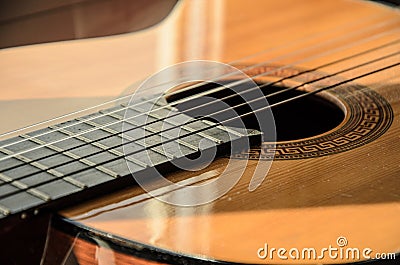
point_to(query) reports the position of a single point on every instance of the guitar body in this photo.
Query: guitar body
(337, 186)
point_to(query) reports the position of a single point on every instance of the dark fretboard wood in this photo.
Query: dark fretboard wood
(56, 173)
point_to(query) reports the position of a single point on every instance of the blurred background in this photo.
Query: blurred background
(31, 21)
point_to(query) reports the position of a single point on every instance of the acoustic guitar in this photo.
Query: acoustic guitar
(233, 132)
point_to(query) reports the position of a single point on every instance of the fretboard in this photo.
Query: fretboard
(84, 157)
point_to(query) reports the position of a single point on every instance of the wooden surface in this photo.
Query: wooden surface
(302, 203)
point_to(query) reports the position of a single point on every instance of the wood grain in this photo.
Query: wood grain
(301, 203)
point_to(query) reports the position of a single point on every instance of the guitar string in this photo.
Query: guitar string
(194, 132)
(49, 132)
(96, 117)
(140, 198)
(203, 129)
(177, 102)
(145, 197)
(176, 92)
(251, 56)
(207, 92)
(228, 97)
(174, 103)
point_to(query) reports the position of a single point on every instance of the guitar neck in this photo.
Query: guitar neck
(87, 156)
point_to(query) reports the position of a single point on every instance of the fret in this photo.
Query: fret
(176, 123)
(47, 174)
(9, 185)
(59, 143)
(152, 130)
(29, 161)
(24, 186)
(104, 147)
(53, 171)
(119, 167)
(5, 187)
(20, 201)
(160, 104)
(118, 134)
(224, 128)
(40, 194)
(156, 154)
(34, 192)
(82, 181)
(76, 157)
(20, 157)
(175, 128)
(4, 210)
(10, 162)
(184, 147)
(162, 112)
(119, 117)
(24, 182)
(50, 135)
(115, 169)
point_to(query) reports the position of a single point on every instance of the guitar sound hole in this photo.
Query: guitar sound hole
(298, 119)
